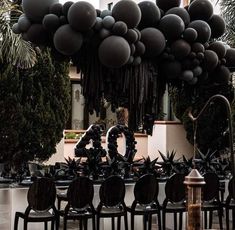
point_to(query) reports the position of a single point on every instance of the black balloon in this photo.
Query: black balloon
(63, 20)
(154, 41)
(137, 61)
(219, 48)
(172, 69)
(82, 16)
(138, 33)
(131, 36)
(37, 34)
(67, 41)
(190, 34)
(98, 23)
(105, 13)
(210, 60)
(181, 12)
(15, 29)
(108, 22)
(127, 11)
(230, 58)
(104, 33)
(150, 14)
(198, 47)
(167, 4)
(200, 10)
(187, 75)
(180, 48)
(139, 48)
(51, 22)
(217, 25)
(66, 7)
(114, 52)
(56, 9)
(172, 26)
(132, 47)
(197, 71)
(203, 30)
(119, 28)
(193, 81)
(24, 24)
(35, 10)
(221, 75)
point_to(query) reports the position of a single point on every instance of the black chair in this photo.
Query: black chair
(145, 202)
(41, 199)
(79, 207)
(211, 199)
(230, 203)
(112, 193)
(175, 200)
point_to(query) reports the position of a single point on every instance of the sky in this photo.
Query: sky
(95, 3)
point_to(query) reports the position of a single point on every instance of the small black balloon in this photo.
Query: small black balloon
(172, 26)
(217, 25)
(200, 10)
(67, 41)
(131, 36)
(105, 13)
(15, 29)
(132, 47)
(187, 75)
(200, 55)
(108, 22)
(230, 58)
(65, 7)
(51, 22)
(193, 81)
(181, 12)
(98, 23)
(119, 28)
(210, 60)
(198, 47)
(167, 4)
(130, 61)
(139, 48)
(190, 34)
(203, 30)
(219, 48)
(114, 52)
(180, 48)
(137, 61)
(221, 75)
(82, 16)
(56, 9)
(37, 34)
(104, 33)
(63, 20)
(138, 33)
(24, 24)
(154, 41)
(150, 14)
(197, 71)
(127, 11)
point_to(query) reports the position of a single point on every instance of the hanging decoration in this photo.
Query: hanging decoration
(127, 55)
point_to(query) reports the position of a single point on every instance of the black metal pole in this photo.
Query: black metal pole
(229, 116)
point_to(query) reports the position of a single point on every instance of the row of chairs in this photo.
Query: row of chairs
(42, 194)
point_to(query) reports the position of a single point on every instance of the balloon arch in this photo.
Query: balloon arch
(127, 55)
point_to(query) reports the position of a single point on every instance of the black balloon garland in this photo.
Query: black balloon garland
(116, 132)
(93, 133)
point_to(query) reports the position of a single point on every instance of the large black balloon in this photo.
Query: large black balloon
(180, 48)
(181, 12)
(219, 48)
(127, 11)
(82, 16)
(51, 22)
(200, 10)
(56, 9)
(167, 4)
(172, 26)
(24, 24)
(203, 30)
(230, 58)
(66, 6)
(150, 14)
(190, 34)
(37, 34)
(172, 69)
(217, 25)
(154, 41)
(67, 41)
(114, 52)
(119, 28)
(210, 60)
(221, 75)
(35, 10)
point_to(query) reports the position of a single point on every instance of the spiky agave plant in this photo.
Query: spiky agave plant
(13, 49)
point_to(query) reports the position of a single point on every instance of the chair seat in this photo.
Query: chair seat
(111, 210)
(77, 213)
(175, 207)
(142, 209)
(34, 216)
(210, 205)
(62, 195)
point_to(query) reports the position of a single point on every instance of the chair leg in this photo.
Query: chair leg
(175, 221)
(45, 225)
(180, 220)
(16, 221)
(132, 221)
(85, 224)
(159, 220)
(113, 223)
(227, 218)
(80, 224)
(233, 218)
(145, 220)
(125, 221)
(93, 222)
(59, 203)
(150, 222)
(52, 225)
(205, 219)
(163, 220)
(210, 218)
(25, 224)
(98, 222)
(65, 223)
(220, 215)
(57, 222)
(119, 223)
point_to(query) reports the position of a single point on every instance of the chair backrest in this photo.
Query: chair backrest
(41, 195)
(211, 188)
(112, 191)
(80, 193)
(146, 189)
(175, 188)
(231, 188)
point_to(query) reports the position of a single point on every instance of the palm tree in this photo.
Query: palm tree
(13, 49)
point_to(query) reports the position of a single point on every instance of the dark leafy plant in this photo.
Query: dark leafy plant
(186, 165)
(72, 166)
